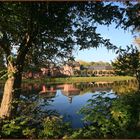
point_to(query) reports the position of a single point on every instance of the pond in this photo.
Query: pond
(68, 99)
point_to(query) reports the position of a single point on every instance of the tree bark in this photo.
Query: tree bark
(6, 104)
(12, 90)
(13, 84)
(12, 87)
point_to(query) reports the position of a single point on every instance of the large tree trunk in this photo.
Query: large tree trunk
(11, 93)
(12, 87)
(6, 104)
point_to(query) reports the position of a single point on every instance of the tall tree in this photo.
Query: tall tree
(48, 30)
(128, 62)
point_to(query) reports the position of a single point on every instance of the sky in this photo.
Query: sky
(118, 37)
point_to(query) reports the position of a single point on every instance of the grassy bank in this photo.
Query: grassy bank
(79, 79)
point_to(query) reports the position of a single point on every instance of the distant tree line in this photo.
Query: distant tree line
(92, 63)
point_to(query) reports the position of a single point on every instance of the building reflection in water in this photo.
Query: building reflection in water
(70, 90)
(48, 91)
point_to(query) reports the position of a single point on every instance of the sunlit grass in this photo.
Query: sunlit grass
(79, 79)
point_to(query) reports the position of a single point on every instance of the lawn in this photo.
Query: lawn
(79, 79)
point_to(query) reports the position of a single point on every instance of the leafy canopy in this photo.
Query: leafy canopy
(128, 62)
(53, 29)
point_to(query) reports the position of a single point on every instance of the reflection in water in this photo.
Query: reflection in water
(125, 87)
(49, 89)
(68, 99)
(69, 90)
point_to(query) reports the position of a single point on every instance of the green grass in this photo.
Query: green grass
(76, 79)
(79, 79)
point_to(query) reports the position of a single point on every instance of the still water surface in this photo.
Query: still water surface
(68, 107)
(68, 99)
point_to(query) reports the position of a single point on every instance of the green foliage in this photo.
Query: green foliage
(19, 127)
(128, 62)
(2, 66)
(122, 87)
(54, 127)
(3, 74)
(109, 117)
(45, 31)
(104, 117)
(25, 127)
(73, 24)
(34, 122)
(133, 16)
(53, 37)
